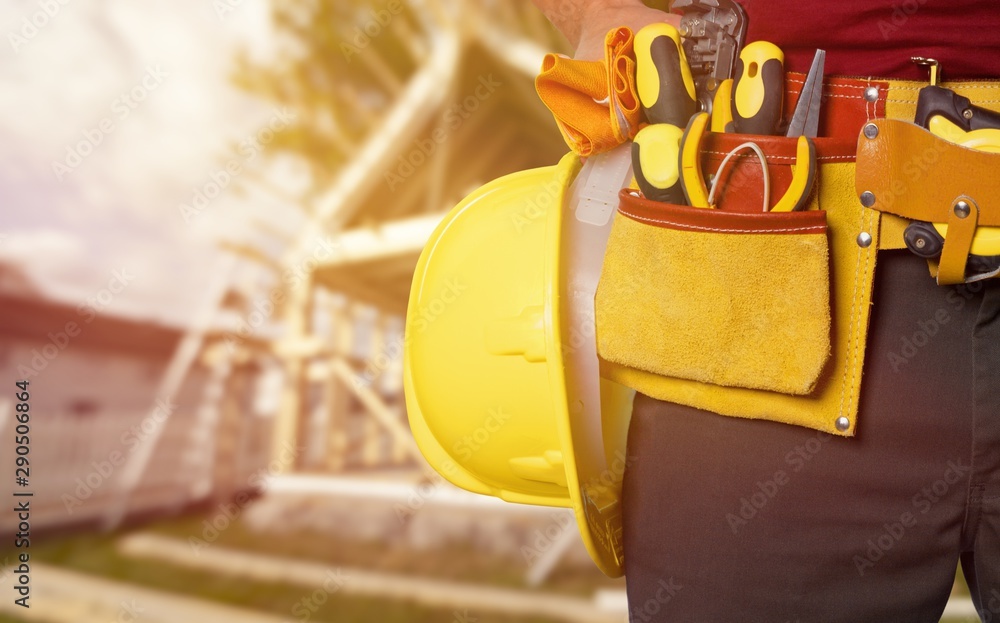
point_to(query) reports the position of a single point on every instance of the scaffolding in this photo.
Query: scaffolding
(467, 114)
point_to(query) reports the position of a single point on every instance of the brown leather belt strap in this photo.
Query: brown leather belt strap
(914, 174)
(905, 170)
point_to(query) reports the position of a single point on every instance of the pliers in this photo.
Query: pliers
(804, 124)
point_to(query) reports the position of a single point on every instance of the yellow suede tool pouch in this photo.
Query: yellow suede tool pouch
(732, 299)
(746, 313)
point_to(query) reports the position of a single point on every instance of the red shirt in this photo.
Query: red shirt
(878, 37)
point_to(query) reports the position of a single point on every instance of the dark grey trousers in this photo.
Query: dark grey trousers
(729, 519)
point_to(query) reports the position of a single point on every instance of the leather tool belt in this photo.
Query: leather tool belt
(765, 315)
(907, 171)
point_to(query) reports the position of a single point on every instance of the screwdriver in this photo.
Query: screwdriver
(667, 94)
(759, 90)
(722, 108)
(656, 164)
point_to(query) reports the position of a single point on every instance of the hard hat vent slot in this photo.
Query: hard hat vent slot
(546, 468)
(523, 334)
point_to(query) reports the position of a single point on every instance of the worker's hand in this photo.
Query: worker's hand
(601, 16)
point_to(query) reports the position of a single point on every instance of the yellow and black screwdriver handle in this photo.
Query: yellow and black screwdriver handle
(759, 89)
(667, 94)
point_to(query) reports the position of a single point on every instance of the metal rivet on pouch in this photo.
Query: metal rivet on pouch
(864, 240)
(870, 130)
(868, 198)
(843, 423)
(967, 113)
(962, 209)
(871, 94)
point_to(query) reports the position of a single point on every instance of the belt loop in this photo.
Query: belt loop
(962, 221)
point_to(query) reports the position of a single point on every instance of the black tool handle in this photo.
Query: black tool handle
(663, 78)
(939, 101)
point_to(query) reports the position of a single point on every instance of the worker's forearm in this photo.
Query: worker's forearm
(569, 16)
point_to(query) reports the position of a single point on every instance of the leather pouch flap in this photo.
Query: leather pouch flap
(734, 300)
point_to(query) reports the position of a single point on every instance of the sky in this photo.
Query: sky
(113, 114)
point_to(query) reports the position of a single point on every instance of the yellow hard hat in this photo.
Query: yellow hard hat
(501, 380)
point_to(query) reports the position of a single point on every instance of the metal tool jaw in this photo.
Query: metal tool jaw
(714, 32)
(805, 119)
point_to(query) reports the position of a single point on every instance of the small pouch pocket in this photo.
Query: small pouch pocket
(731, 299)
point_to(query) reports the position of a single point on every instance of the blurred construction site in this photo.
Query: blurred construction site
(212, 211)
(212, 214)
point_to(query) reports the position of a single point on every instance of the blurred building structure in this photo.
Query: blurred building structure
(97, 414)
(464, 113)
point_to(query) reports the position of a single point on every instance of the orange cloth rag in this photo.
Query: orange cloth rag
(595, 103)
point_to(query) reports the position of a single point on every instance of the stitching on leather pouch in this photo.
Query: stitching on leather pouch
(854, 307)
(912, 101)
(869, 254)
(832, 86)
(817, 229)
(770, 158)
(868, 104)
(954, 85)
(848, 97)
(837, 87)
(858, 296)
